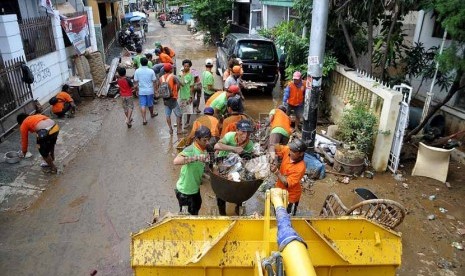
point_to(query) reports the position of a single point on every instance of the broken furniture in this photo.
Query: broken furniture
(432, 162)
(386, 212)
(85, 87)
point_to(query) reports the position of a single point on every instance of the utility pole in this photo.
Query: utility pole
(315, 71)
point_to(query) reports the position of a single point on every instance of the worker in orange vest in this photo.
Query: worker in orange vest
(280, 127)
(294, 95)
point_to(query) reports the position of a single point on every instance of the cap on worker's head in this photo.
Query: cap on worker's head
(234, 89)
(244, 125)
(235, 104)
(236, 69)
(203, 132)
(282, 107)
(157, 51)
(157, 44)
(208, 62)
(167, 67)
(297, 75)
(239, 61)
(297, 145)
(208, 110)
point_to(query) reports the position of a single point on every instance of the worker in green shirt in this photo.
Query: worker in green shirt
(186, 92)
(208, 82)
(192, 159)
(238, 142)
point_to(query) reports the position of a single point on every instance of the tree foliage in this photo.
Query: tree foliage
(212, 15)
(451, 15)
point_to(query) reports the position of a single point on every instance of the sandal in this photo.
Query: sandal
(144, 123)
(171, 131)
(154, 114)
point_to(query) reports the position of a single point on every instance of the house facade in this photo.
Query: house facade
(429, 32)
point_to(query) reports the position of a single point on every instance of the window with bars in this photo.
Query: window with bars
(37, 36)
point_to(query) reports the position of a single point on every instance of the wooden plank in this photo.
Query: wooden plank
(111, 73)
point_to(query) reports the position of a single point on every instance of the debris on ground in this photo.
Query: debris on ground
(445, 264)
(399, 177)
(442, 210)
(369, 174)
(344, 180)
(405, 185)
(431, 217)
(432, 197)
(461, 231)
(457, 245)
(448, 185)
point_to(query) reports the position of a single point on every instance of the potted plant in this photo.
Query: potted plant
(356, 130)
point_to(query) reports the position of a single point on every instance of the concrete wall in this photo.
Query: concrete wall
(50, 71)
(274, 15)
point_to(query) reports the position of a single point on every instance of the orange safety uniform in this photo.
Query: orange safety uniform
(212, 98)
(293, 173)
(164, 58)
(229, 124)
(171, 83)
(29, 125)
(62, 98)
(208, 121)
(296, 94)
(280, 119)
(172, 53)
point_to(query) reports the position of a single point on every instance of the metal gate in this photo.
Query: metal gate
(402, 123)
(15, 95)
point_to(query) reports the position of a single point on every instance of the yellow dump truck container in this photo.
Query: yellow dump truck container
(189, 245)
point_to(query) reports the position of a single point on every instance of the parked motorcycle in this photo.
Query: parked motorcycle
(162, 24)
(129, 40)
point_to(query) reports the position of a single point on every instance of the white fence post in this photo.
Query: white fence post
(60, 46)
(11, 44)
(90, 19)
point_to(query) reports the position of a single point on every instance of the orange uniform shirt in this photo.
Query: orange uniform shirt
(29, 125)
(171, 83)
(212, 98)
(229, 124)
(280, 119)
(164, 58)
(210, 122)
(296, 94)
(172, 53)
(63, 98)
(293, 173)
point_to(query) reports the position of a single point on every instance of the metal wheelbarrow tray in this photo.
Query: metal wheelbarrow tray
(232, 191)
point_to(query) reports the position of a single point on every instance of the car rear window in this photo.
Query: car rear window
(256, 50)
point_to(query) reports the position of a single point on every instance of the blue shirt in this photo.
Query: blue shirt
(145, 78)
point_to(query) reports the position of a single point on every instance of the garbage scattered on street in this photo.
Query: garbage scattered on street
(461, 231)
(445, 264)
(431, 217)
(442, 210)
(405, 185)
(432, 197)
(399, 177)
(457, 245)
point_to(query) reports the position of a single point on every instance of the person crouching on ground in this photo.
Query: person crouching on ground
(64, 104)
(125, 90)
(238, 142)
(291, 170)
(47, 133)
(144, 82)
(192, 159)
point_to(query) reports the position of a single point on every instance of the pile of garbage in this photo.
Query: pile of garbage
(237, 169)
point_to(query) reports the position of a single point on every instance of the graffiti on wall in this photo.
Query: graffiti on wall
(40, 71)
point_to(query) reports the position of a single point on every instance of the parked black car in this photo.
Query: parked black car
(259, 58)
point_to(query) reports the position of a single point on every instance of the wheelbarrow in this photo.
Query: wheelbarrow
(232, 191)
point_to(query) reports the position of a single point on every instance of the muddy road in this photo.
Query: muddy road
(84, 219)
